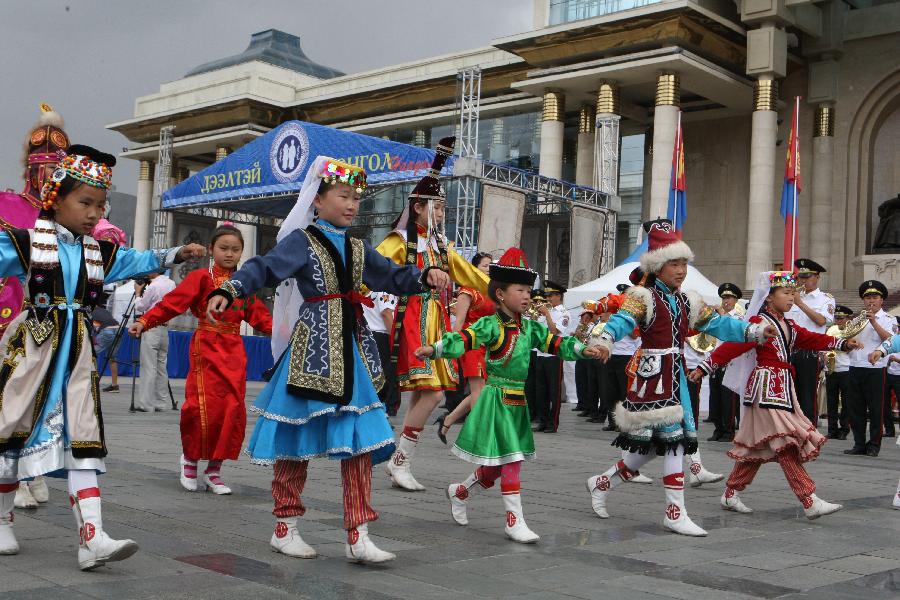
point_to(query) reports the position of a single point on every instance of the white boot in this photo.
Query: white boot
(896, 503)
(360, 547)
(599, 486)
(676, 518)
(96, 547)
(39, 490)
(458, 494)
(24, 497)
(398, 467)
(698, 475)
(516, 528)
(731, 501)
(8, 543)
(215, 485)
(640, 478)
(815, 507)
(287, 540)
(188, 483)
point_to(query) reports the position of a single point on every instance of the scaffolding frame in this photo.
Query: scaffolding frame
(162, 218)
(469, 92)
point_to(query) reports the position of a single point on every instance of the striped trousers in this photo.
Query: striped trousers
(801, 483)
(356, 477)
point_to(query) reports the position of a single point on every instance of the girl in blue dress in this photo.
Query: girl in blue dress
(51, 421)
(322, 399)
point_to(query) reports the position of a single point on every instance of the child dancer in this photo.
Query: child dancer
(213, 417)
(773, 428)
(422, 318)
(50, 418)
(471, 305)
(322, 399)
(497, 435)
(656, 415)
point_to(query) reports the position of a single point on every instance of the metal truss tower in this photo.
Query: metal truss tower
(161, 218)
(469, 81)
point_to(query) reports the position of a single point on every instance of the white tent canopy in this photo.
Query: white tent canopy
(606, 284)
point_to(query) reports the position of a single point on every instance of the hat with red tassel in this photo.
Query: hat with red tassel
(512, 268)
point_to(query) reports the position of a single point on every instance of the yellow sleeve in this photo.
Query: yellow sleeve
(393, 247)
(465, 274)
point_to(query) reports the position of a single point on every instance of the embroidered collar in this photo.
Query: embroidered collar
(507, 320)
(663, 288)
(329, 228)
(65, 235)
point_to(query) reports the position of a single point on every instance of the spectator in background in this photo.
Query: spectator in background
(105, 328)
(154, 386)
(380, 319)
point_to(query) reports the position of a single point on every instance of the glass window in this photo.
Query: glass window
(566, 11)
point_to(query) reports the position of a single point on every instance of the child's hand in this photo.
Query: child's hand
(854, 344)
(438, 279)
(215, 307)
(770, 331)
(894, 358)
(424, 351)
(875, 356)
(695, 376)
(136, 329)
(191, 252)
(602, 353)
(593, 352)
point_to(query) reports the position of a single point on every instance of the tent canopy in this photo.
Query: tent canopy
(606, 284)
(264, 176)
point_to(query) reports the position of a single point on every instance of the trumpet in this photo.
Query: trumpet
(702, 343)
(534, 309)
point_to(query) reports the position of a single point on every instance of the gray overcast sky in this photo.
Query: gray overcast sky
(90, 59)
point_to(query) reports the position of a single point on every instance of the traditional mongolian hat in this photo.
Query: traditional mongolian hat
(663, 244)
(512, 268)
(82, 163)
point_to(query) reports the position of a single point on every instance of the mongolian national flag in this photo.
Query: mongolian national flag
(677, 211)
(790, 192)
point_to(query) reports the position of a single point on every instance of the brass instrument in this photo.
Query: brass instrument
(831, 355)
(702, 343)
(582, 332)
(739, 310)
(594, 332)
(533, 311)
(854, 326)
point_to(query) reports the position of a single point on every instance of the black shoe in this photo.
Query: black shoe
(728, 436)
(440, 423)
(113, 389)
(715, 437)
(855, 450)
(586, 413)
(890, 433)
(577, 408)
(611, 427)
(159, 409)
(708, 420)
(540, 427)
(549, 429)
(596, 419)
(833, 435)
(872, 452)
(138, 409)
(842, 435)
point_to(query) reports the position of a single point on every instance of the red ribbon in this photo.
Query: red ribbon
(353, 297)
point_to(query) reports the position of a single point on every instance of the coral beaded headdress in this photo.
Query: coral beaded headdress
(83, 163)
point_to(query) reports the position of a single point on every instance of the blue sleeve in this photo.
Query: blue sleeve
(282, 262)
(129, 263)
(382, 274)
(10, 265)
(725, 328)
(620, 325)
(891, 345)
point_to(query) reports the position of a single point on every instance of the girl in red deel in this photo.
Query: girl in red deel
(213, 417)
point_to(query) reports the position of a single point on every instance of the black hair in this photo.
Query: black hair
(494, 286)
(480, 256)
(226, 230)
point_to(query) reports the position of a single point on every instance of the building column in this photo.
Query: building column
(665, 122)
(552, 127)
(822, 189)
(761, 207)
(143, 209)
(499, 149)
(584, 157)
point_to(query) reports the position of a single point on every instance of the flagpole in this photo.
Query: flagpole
(676, 165)
(795, 151)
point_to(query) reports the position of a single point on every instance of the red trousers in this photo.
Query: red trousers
(356, 477)
(801, 483)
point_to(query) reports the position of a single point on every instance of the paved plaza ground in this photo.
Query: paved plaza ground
(196, 545)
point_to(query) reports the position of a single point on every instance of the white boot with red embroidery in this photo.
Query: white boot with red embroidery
(38, 488)
(8, 543)
(698, 475)
(599, 486)
(96, 548)
(24, 497)
(731, 501)
(287, 540)
(360, 547)
(398, 467)
(815, 507)
(896, 503)
(676, 518)
(458, 494)
(516, 528)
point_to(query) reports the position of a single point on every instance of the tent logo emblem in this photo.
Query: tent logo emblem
(289, 153)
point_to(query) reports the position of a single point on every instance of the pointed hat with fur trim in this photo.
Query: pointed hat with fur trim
(664, 243)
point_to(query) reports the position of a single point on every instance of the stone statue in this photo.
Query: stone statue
(887, 236)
